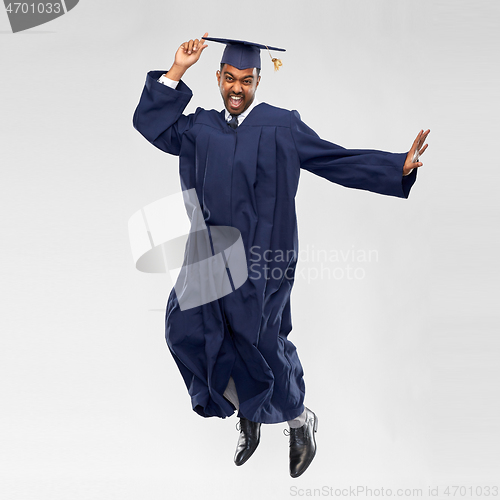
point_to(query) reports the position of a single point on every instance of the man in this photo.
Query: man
(244, 164)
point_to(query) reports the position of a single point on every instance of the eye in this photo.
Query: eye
(248, 82)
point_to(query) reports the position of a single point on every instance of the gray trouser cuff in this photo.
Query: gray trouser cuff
(231, 395)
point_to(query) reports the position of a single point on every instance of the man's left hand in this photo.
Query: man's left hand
(415, 152)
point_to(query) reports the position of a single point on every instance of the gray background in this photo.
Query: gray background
(400, 366)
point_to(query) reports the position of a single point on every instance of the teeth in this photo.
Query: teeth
(236, 98)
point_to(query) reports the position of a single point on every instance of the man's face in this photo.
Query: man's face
(237, 87)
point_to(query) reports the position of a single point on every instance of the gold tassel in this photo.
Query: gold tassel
(277, 62)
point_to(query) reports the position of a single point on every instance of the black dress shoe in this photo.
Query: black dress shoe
(248, 441)
(303, 445)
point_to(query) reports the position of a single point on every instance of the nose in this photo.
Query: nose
(237, 87)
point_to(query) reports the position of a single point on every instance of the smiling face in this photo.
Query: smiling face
(237, 87)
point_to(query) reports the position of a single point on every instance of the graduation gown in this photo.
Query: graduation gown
(247, 178)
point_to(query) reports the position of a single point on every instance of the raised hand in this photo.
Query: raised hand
(189, 53)
(415, 152)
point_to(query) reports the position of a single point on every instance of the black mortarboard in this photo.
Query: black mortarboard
(242, 55)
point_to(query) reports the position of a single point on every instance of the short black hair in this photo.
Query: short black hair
(222, 66)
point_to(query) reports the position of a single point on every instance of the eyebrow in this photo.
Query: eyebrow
(243, 78)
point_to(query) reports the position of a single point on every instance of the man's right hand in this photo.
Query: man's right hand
(187, 54)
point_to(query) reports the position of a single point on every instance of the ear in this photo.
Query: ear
(217, 74)
(258, 81)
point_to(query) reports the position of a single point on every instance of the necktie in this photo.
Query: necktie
(233, 122)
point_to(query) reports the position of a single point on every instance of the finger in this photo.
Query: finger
(423, 138)
(417, 164)
(190, 46)
(421, 152)
(422, 147)
(195, 45)
(410, 167)
(416, 141)
(205, 45)
(419, 136)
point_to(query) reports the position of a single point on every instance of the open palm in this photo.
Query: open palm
(415, 152)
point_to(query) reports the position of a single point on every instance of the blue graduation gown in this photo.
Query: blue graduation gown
(247, 178)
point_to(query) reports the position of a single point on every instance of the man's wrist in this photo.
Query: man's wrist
(175, 73)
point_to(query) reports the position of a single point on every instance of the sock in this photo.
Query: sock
(298, 421)
(231, 395)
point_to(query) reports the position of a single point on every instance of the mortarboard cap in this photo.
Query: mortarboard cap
(242, 55)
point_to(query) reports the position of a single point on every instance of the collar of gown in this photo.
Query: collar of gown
(245, 113)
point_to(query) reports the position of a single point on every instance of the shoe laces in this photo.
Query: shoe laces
(297, 434)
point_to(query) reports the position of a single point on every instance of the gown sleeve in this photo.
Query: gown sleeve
(376, 171)
(158, 116)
